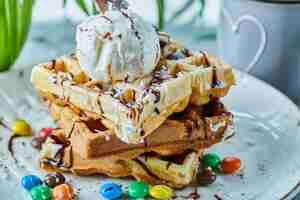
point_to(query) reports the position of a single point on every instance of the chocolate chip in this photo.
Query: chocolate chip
(54, 179)
(206, 177)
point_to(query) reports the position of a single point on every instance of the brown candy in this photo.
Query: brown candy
(54, 179)
(206, 177)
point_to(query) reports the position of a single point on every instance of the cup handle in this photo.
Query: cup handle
(235, 26)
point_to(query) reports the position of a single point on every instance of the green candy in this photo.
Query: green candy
(138, 189)
(40, 193)
(211, 160)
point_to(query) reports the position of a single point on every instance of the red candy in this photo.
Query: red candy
(229, 165)
(45, 132)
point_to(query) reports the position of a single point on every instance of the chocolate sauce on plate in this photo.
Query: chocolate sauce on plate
(217, 197)
(10, 146)
(108, 19)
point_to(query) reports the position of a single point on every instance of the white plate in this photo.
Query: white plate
(267, 141)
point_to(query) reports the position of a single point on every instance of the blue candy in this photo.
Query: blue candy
(31, 181)
(110, 191)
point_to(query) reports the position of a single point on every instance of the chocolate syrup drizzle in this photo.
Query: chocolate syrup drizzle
(72, 129)
(156, 94)
(137, 34)
(53, 63)
(163, 43)
(108, 19)
(168, 165)
(215, 82)
(189, 125)
(207, 63)
(217, 197)
(157, 110)
(60, 153)
(132, 25)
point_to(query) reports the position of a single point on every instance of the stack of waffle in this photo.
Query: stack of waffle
(154, 129)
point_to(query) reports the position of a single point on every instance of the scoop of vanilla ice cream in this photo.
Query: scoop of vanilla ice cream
(117, 46)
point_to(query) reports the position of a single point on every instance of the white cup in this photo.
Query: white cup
(262, 37)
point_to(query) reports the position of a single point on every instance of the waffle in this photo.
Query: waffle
(195, 128)
(136, 109)
(58, 155)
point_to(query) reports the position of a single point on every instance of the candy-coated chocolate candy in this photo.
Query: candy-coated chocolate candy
(211, 160)
(206, 177)
(40, 193)
(21, 127)
(44, 133)
(63, 192)
(110, 191)
(30, 181)
(230, 165)
(54, 179)
(138, 189)
(161, 192)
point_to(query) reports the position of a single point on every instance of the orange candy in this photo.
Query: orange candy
(63, 192)
(229, 165)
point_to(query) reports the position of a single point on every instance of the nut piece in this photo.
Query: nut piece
(170, 49)
(80, 78)
(128, 96)
(59, 66)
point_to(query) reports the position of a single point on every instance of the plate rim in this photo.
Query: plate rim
(295, 190)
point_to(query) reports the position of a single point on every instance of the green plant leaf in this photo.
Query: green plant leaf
(201, 8)
(82, 5)
(15, 19)
(65, 3)
(4, 59)
(188, 4)
(95, 10)
(14, 28)
(9, 29)
(160, 13)
(26, 15)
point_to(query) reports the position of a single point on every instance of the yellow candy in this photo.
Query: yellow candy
(21, 127)
(161, 192)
